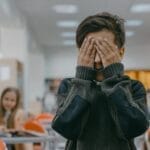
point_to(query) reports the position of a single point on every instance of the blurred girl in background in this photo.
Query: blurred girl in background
(11, 114)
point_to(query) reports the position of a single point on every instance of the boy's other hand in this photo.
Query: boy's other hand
(108, 52)
(87, 53)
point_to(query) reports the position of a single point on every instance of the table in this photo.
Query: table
(18, 140)
(48, 141)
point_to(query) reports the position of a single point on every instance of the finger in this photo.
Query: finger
(112, 46)
(98, 52)
(106, 47)
(87, 42)
(100, 48)
(90, 47)
(83, 43)
(81, 50)
(114, 49)
(101, 55)
(93, 53)
(86, 47)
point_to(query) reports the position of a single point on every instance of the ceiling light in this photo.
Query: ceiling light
(134, 22)
(68, 9)
(69, 42)
(138, 8)
(68, 34)
(67, 23)
(129, 33)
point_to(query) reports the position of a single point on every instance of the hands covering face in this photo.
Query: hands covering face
(107, 51)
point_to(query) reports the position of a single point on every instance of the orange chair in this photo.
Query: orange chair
(2, 145)
(45, 117)
(34, 125)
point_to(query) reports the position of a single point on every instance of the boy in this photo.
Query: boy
(101, 109)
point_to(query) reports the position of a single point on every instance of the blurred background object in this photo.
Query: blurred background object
(38, 49)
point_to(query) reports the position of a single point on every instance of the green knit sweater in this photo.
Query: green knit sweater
(104, 115)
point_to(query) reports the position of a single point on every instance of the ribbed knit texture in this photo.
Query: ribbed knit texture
(88, 73)
(104, 125)
(85, 73)
(113, 69)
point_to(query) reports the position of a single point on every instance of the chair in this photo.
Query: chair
(34, 125)
(45, 117)
(2, 145)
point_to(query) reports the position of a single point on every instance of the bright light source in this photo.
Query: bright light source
(134, 23)
(129, 33)
(69, 42)
(68, 34)
(139, 8)
(67, 23)
(67, 9)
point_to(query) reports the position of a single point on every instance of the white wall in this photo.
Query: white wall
(16, 42)
(60, 63)
(137, 57)
(14, 45)
(36, 72)
(36, 75)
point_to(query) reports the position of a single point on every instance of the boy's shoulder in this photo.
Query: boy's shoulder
(64, 85)
(66, 81)
(137, 86)
(136, 83)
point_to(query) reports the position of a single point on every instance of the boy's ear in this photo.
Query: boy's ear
(121, 51)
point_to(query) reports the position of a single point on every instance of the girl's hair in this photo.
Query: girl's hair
(10, 122)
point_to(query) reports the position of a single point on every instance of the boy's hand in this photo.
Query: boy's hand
(87, 53)
(108, 52)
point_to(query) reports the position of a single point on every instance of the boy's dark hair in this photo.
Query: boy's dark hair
(101, 21)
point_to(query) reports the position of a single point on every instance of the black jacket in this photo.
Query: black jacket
(104, 115)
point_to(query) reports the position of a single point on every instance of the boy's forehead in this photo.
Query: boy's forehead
(104, 34)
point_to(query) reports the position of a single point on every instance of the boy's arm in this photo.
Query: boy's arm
(73, 96)
(73, 111)
(127, 101)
